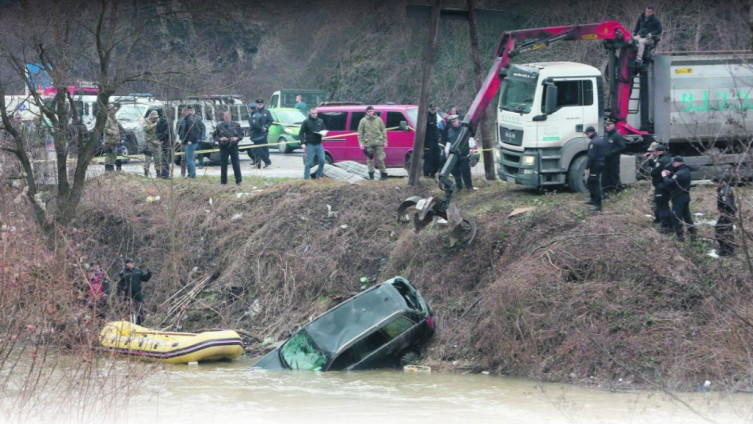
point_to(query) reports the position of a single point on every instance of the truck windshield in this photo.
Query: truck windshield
(302, 353)
(517, 95)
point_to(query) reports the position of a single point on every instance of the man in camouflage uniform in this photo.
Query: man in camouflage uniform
(112, 138)
(372, 137)
(152, 143)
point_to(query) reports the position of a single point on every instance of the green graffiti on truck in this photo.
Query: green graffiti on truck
(717, 101)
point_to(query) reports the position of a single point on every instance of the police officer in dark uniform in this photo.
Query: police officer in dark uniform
(227, 135)
(260, 120)
(432, 151)
(615, 145)
(659, 161)
(677, 181)
(594, 167)
(725, 205)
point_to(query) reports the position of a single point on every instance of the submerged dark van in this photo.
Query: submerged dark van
(384, 326)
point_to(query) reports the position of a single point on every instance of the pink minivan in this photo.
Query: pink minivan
(341, 142)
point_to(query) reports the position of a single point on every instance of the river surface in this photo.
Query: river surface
(236, 393)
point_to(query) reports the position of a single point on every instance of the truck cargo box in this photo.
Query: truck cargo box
(701, 97)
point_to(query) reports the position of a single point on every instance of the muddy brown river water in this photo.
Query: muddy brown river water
(236, 393)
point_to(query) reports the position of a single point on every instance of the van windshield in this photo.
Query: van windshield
(130, 113)
(290, 116)
(517, 95)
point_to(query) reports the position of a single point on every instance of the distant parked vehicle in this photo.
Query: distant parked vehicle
(286, 98)
(384, 326)
(284, 131)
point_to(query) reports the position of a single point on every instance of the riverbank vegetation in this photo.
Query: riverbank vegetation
(555, 294)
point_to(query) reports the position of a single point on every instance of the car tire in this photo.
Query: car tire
(283, 145)
(575, 175)
(408, 158)
(327, 159)
(409, 357)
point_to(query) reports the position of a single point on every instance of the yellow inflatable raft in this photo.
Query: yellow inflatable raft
(124, 338)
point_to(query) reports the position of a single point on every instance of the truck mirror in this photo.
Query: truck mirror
(403, 126)
(550, 99)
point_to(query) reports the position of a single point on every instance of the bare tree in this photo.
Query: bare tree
(99, 41)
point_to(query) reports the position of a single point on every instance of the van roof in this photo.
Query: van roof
(358, 108)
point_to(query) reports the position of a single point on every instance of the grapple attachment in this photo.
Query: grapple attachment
(426, 210)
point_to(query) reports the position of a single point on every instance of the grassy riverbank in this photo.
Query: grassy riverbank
(557, 293)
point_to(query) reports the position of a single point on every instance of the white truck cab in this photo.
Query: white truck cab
(542, 112)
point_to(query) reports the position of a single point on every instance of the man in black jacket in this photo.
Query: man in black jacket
(660, 160)
(725, 205)
(432, 151)
(677, 181)
(615, 145)
(260, 122)
(129, 288)
(310, 134)
(594, 167)
(647, 31)
(228, 134)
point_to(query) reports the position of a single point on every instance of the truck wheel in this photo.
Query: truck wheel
(328, 159)
(575, 175)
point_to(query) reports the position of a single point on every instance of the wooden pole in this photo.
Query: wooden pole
(484, 130)
(414, 174)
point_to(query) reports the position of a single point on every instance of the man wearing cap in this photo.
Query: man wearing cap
(615, 145)
(130, 290)
(725, 224)
(660, 160)
(152, 143)
(432, 151)
(594, 166)
(112, 138)
(260, 122)
(227, 135)
(677, 181)
(372, 136)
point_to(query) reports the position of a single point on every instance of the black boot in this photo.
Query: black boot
(109, 168)
(118, 168)
(383, 176)
(371, 175)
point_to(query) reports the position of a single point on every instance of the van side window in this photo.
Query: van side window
(364, 347)
(334, 121)
(244, 113)
(394, 119)
(355, 119)
(275, 99)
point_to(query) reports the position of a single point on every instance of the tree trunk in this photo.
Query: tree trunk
(484, 130)
(418, 143)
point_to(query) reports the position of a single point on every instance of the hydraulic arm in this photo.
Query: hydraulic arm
(513, 43)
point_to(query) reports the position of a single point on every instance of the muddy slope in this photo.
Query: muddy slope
(557, 293)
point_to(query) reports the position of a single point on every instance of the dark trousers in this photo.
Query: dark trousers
(261, 153)
(662, 213)
(462, 173)
(723, 230)
(431, 159)
(593, 183)
(167, 158)
(681, 217)
(230, 150)
(610, 176)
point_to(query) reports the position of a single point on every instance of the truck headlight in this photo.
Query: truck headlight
(528, 160)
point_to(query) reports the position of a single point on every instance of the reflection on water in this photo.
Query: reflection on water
(236, 393)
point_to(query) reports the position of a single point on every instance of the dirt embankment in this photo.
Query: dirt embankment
(557, 294)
